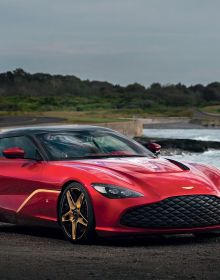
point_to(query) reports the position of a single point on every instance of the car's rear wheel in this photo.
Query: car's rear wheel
(76, 214)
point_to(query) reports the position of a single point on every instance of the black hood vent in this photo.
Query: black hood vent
(179, 164)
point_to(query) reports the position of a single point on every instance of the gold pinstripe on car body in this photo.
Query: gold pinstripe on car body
(33, 194)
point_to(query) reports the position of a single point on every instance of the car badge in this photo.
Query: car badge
(188, 188)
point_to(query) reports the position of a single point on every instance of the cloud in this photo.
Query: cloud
(119, 40)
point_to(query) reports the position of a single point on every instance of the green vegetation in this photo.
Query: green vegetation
(93, 101)
(215, 109)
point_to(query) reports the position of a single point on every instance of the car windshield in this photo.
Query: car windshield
(90, 144)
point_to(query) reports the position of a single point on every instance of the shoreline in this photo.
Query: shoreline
(173, 146)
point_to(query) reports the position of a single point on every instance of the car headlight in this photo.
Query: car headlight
(112, 191)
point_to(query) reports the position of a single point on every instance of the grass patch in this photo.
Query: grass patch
(105, 115)
(214, 109)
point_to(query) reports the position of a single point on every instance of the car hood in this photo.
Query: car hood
(130, 165)
(156, 177)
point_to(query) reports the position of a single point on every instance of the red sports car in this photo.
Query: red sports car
(91, 180)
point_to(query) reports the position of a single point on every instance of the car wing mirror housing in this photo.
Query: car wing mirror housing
(154, 148)
(14, 152)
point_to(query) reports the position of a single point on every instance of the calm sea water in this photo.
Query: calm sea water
(211, 157)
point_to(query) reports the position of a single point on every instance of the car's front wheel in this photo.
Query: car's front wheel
(76, 214)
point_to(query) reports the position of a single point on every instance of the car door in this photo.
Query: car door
(19, 177)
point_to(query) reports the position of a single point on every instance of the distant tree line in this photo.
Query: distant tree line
(22, 91)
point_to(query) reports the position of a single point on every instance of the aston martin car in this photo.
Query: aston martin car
(91, 181)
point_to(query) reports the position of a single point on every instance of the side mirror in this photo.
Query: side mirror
(14, 152)
(154, 148)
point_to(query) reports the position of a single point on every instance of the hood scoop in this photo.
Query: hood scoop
(179, 164)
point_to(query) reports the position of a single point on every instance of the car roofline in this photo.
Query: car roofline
(33, 130)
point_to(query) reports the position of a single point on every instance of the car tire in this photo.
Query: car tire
(75, 214)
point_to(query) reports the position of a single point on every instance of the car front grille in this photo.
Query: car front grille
(175, 212)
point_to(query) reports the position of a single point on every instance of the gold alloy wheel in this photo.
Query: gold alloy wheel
(75, 213)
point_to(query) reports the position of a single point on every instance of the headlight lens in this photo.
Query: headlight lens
(112, 191)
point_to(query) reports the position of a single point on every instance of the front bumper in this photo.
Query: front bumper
(176, 214)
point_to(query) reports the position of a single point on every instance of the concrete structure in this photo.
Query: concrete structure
(132, 128)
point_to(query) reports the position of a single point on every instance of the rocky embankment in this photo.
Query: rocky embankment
(180, 145)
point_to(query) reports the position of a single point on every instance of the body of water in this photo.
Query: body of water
(211, 157)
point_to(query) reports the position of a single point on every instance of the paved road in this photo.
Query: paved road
(174, 125)
(44, 254)
(6, 121)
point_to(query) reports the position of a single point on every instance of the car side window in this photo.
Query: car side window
(22, 142)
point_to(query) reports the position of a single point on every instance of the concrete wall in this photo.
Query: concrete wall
(132, 128)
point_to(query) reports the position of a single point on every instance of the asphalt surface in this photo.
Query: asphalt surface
(6, 121)
(36, 253)
(174, 125)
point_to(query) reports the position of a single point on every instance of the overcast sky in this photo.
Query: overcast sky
(121, 41)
